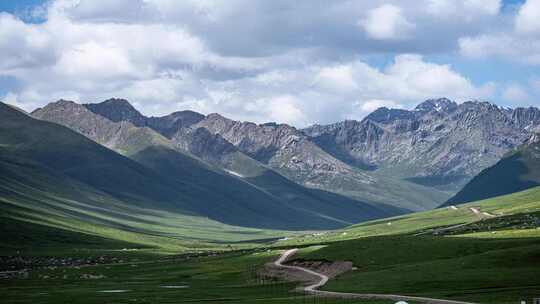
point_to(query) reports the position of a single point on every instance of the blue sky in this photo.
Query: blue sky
(301, 62)
(20, 7)
(12, 6)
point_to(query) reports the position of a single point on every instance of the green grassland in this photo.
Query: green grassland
(165, 232)
(444, 253)
(490, 260)
(504, 207)
(229, 278)
(484, 270)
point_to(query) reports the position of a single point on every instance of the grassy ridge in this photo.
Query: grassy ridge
(517, 171)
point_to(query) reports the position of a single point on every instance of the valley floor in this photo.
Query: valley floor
(228, 278)
(449, 253)
(457, 268)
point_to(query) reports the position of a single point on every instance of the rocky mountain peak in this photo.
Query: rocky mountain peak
(269, 124)
(440, 142)
(187, 114)
(240, 146)
(526, 117)
(170, 124)
(117, 110)
(438, 105)
(386, 115)
(477, 105)
(61, 105)
(117, 102)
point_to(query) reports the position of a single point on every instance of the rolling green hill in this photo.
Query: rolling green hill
(515, 172)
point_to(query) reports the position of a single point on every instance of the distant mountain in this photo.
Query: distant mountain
(439, 143)
(66, 152)
(176, 127)
(118, 110)
(247, 149)
(409, 159)
(261, 199)
(121, 136)
(291, 153)
(517, 171)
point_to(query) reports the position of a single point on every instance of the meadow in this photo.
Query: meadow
(450, 253)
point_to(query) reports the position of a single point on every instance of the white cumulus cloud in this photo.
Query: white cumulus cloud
(297, 62)
(387, 22)
(519, 43)
(528, 18)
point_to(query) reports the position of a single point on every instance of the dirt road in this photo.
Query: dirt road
(321, 279)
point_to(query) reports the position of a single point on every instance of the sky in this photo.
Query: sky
(297, 62)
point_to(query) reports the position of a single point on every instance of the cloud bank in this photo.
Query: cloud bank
(297, 62)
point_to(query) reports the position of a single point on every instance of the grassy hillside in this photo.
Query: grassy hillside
(485, 252)
(68, 153)
(30, 193)
(261, 199)
(499, 209)
(517, 171)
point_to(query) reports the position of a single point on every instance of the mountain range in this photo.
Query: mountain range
(433, 149)
(261, 154)
(439, 143)
(46, 165)
(268, 175)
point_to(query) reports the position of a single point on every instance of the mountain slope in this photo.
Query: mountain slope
(46, 202)
(291, 153)
(214, 193)
(79, 158)
(439, 143)
(517, 171)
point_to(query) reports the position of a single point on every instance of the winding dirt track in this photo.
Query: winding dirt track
(323, 279)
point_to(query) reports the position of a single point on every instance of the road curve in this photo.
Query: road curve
(323, 279)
